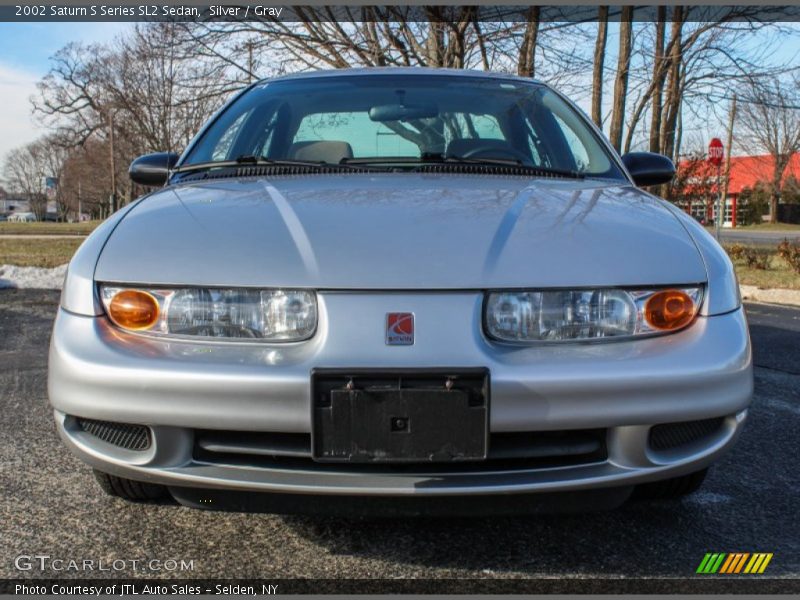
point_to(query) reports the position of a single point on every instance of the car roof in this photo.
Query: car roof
(383, 71)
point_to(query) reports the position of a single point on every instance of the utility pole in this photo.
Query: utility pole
(80, 211)
(112, 200)
(731, 120)
(716, 154)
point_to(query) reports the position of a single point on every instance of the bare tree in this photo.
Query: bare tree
(145, 92)
(72, 96)
(52, 156)
(672, 102)
(769, 114)
(621, 80)
(688, 60)
(439, 36)
(24, 171)
(84, 187)
(659, 73)
(599, 62)
(161, 91)
(526, 65)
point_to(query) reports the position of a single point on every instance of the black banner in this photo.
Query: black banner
(267, 587)
(190, 12)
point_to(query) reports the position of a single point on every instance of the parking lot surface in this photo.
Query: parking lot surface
(749, 502)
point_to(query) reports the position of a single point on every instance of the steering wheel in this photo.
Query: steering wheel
(492, 151)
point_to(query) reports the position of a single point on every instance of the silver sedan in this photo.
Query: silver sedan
(400, 286)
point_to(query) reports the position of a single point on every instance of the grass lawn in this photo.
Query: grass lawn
(37, 252)
(43, 252)
(48, 228)
(779, 275)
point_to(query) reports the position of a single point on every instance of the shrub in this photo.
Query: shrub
(736, 251)
(757, 258)
(790, 252)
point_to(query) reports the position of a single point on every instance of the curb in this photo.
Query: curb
(772, 296)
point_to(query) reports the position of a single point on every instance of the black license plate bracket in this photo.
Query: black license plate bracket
(400, 416)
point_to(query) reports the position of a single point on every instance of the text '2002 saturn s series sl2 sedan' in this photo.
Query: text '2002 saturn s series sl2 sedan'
(406, 290)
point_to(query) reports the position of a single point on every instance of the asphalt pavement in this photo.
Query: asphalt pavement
(748, 503)
(756, 237)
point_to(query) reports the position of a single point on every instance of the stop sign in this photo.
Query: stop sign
(715, 152)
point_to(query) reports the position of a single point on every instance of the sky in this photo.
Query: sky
(25, 50)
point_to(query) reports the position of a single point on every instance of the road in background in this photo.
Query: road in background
(758, 238)
(749, 502)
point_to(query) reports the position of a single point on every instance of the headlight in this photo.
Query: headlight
(259, 315)
(575, 315)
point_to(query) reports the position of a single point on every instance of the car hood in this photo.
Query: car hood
(401, 231)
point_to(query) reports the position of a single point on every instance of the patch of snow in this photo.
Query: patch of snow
(780, 404)
(707, 498)
(772, 296)
(12, 276)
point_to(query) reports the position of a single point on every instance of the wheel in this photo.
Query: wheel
(135, 491)
(670, 488)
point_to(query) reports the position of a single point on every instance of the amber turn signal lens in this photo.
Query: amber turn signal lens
(670, 309)
(133, 309)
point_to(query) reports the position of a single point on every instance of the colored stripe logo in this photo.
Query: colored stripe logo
(734, 563)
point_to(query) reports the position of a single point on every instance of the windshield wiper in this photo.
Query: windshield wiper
(249, 159)
(439, 159)
(470, 160)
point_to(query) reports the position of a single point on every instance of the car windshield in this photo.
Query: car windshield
(405, 120)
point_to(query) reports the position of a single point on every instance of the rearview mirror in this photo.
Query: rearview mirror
(648, 168)
(152, 169)
(403, 112)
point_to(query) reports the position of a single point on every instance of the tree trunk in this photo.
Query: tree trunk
(676, 146)
(773, 203)
(781, 162)
(673, 97)
(525, 65)
(599, 61)
(434, 44)
(621, 80)
(659, 73)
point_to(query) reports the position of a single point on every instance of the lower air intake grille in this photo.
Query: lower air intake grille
(674, 435)
(507, 451)
(123, 435)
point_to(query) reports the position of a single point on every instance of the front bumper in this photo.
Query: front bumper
(99, 372)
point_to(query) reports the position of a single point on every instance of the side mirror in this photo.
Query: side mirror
(648, 168)
(152, 169)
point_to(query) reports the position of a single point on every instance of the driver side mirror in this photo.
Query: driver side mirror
(648, 168)
(152, 169)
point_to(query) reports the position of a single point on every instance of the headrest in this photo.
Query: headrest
(322, 151)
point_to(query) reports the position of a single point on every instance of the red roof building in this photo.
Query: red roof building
(745, 173)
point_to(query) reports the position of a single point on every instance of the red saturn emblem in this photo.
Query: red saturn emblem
(400, 329)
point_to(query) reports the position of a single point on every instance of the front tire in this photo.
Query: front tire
(676, 487)
(127, 489)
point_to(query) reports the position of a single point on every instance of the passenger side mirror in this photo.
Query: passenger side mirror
(152, 169)
(648, 168)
